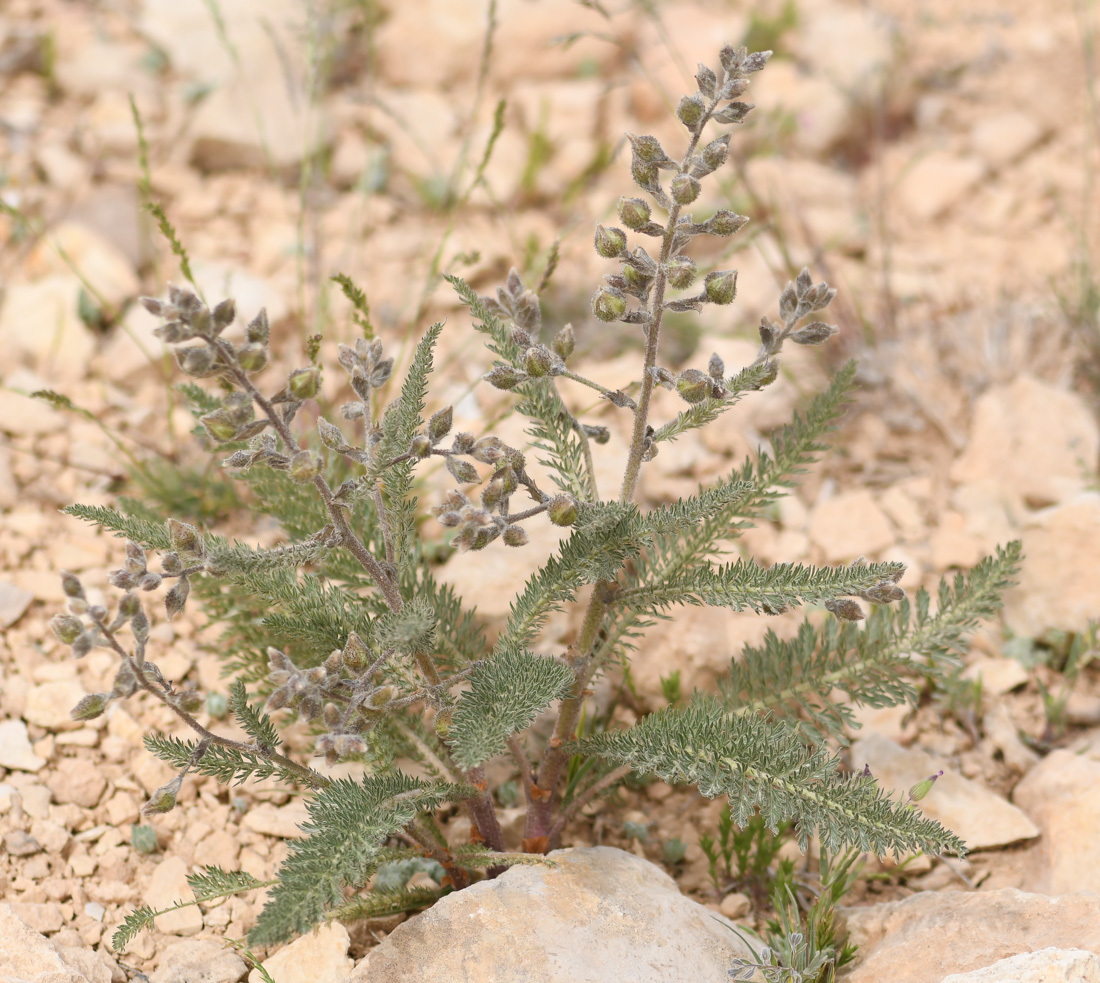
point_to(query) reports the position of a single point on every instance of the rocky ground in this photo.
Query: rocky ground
(931, 160)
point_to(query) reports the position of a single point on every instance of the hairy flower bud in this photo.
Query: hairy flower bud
(922, 788)
(693, 385)
(634, 212)
(440, 424)
(67, 628)
(721, 286)
(164, 798)
(305, 383)
(716, 152)
(421, 445)
(515, 536)
(684, 189)
(562, 510)
(647, 148)
(305, 466)
(219, 425)
(845, 609)
(356, 655)
(199, 362)
(505, 377)
(564, 342)
(258, 330)
(90, 706)
(608, 304)
(681, 272)
(813, 334)
(726, 223)
(443, 722)
(691, 110)
(252, 357)
(538, 361)
(609, 243)
(716, 368)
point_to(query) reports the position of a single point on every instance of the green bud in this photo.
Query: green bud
(164, 798)
(305, 383)
(684, 189)
(726, 223)
(443, 722)
(608, 304)
(304, 466)
(721, 286)
(70, 585)
(505, 377)
(219, 425)
(716, 152)
(538, 361)
(199, 362)
(693, 385)
(691, 111)
(564, 342)
(190, 701)
(921, 789)
(681, 272)
(421, 445)
(185, 538)
(562, 510)
(515, 536)
(440, 424)
(381, 696)
(609, 243)
(356, 654)
(645, 175)
(636, 279)
(634, 212)
(90, 706)
(647, 148)
(252, 357)
(258, 330)
(67, 628)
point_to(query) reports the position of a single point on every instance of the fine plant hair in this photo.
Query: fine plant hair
(346, 628)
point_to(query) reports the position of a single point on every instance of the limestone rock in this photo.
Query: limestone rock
(13, 603)
(198, 961)
(1004, 137)
(1062, 795)
(167, 886)
(600, 914)
(1031, 439)
(850, 525)
(99, 261)
(1060, 579)
(853, 47)
(272, 820)
(980, 817)
(319, 957)
(50, 704)
(928, 935)
(75, 781)
(938, 182)
(998, 676)
(15, 747)
(1045, 966)
(27, 955)
(59, 344)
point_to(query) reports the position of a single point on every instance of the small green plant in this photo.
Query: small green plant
(743, 859)
(346, 628)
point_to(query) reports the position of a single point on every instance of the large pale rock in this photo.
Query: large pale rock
(77, 781)
(272, 820)
(70, 245)
(600, 914)
(1045, 966)
(319, 957)
(928, 935)
(50, 705)
(40, 327)
(15, 747)
(13, 603)
(1033, 440)
(198, 961)
(167, 886)
(1059, 583)
(853, 47)
(849, 525)
(1004, 137)
(938, 182)
(1062, 795)
(27, 955)
(982, 818)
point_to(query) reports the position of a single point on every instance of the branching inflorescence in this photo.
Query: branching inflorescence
(384, 663)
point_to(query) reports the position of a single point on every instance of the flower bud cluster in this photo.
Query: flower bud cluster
(693, 385)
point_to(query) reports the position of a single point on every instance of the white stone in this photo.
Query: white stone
(1045, 966)
(1059, 582)
(13, 603)
(168, 885)
(276, 820)
(50, 705)
(319, 957)
(1062, 795)
(600, 914)
(938, 182)
(981, 818)
(15, 747)
(1034, 441)
(998, 676)
(850, 525)
(1004, 137)
(39, 326)
(199, 961)
(101, 263)
(27, 955)
(930, 934)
